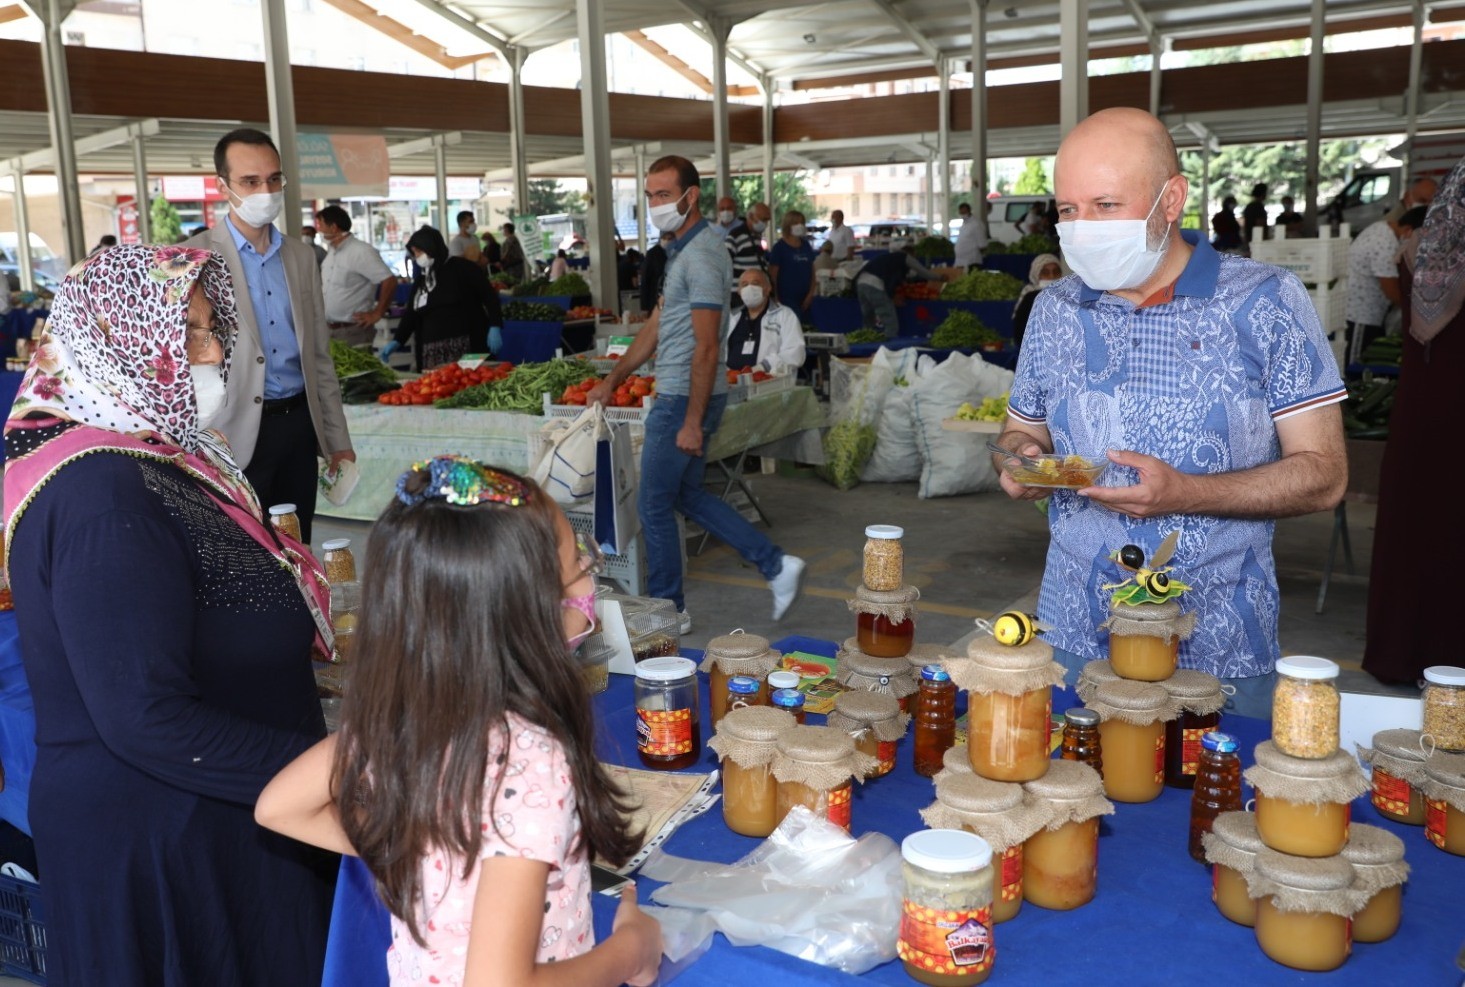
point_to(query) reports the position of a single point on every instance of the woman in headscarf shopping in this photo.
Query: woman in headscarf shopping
(453, 307)
(1044, 271)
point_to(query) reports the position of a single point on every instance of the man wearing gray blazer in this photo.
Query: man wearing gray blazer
(284, 403)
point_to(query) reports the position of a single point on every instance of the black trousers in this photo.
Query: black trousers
(283, 470)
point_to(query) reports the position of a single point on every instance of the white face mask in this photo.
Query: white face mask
(208, 391)
(1112, 254)
(797, 231)
(307, 240)
(472, 228)
(1046, 282)
(424, 262)
(757, 226)
(666, 217)
(751, 294)
(260, 209)
(726, 216)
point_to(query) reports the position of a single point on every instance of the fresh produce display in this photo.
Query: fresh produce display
(631, 394)
(758, 376)
(935, 246)
(502, 282)
(1366, 411)
(523, 389)
(982, 286)
(991, 410)
(847, 448)
(566, 284)
(533, 312)
(1385, 351)
(587, 312)
(1033, 243)
(963, 330)
(865, 336)
(351, 362)
(444, 382)
(528, 289)
(919, 290)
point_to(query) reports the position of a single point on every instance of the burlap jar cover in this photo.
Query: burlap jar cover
(1093, 675)
(1305, 781)
(896, 606)
(955, 761)
(1070, 792)
(749, 735)
(1163, 620)
(1137, 703)
(1233, 841)
(1377, 857)
(740, 653)
(858, 712)
(992, 667)
(1306, 884)
(866, 673)
(922, 655)
(822, 758)
(1398, 752)
(997, 811)
(1194, 691)
(1444, 779)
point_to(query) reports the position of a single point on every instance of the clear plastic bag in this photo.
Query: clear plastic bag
(809, 890)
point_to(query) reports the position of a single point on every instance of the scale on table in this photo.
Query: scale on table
(822, 346)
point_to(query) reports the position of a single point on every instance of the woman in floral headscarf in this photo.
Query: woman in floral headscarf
(1417, 526)
(167, 633)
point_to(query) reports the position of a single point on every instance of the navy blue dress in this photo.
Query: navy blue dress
(169, 660)
(795, 272)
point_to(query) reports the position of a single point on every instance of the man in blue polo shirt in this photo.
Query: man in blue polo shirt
(1206, 381)
(685, 333)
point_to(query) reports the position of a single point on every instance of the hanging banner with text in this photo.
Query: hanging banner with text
(333, 166)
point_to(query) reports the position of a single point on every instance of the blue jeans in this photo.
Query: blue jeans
(1253, 695)
(875, 304)
(672, 481)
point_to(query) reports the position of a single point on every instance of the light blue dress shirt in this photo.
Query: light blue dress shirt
(269, 295)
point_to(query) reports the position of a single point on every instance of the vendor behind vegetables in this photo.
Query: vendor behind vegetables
(763, 334)
(1207, 382)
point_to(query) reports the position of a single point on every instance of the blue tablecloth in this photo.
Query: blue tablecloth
(1152, 921)
(17, 324)
(17, 728)
(922, 317)
(835, 314)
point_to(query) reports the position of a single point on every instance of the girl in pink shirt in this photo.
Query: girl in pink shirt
(463, 774)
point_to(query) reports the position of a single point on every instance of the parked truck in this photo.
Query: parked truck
(1372, 192)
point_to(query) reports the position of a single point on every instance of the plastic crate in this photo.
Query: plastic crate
(1329, 303)
(22, 930)
(628, 416)
(1318, 261)
(627, 570)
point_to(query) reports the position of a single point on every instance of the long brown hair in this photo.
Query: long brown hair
(464, 625)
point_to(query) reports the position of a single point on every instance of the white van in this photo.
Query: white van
(1005, 212)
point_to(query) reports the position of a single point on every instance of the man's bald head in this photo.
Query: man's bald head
(760, 212)
(1137, 139)
(726, 204)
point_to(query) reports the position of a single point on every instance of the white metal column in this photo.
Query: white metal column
(1073, 57)
(930, 194)
(518, 158)
(140, 180)
(718, 29)
(943, 153)
(440, 171)
(1157, 51)
(1411, 97)
(52, 14)
(767, 142)
(979, 113)
(640, 198)
(23, 233)
(280, 89)
(1314, 117)
(595, 127)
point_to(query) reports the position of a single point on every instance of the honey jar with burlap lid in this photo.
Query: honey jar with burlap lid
(1093, 675)
(1302, 804)
(875, 722)
(1303, 908)
(1397, 759)
(867, 673)
(815, 768)
(736, 653)
(999, 813)
(746, 740)
(1009, 706)
(1231, 847)
(1060, 861)
(1132, 733)
(1379, 869)
(1144, 639)
(885, 620)
(1199, 697)
(953, 762)
(1444, 793)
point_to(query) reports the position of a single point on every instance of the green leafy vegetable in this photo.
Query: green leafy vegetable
(351, 362)
(935, 246)
(566, 284)
(847, 447)
(982, 286)
(533, 312)
(865, 336)
(963, 330)
(523, 389)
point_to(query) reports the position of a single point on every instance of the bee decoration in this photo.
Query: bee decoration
(1149, 582)
(1013, 628)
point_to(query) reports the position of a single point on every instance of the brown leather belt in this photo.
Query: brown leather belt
(283, 406)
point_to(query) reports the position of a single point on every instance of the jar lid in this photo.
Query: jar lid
(783, 679)
(665, 669)
(1068, 780)
(957, 761)
(787, 699)
(280, 510)
(1335, 765)
(935, 673)
(1446, 768)
(1445, 675)
(1081, 716)
(884, 531)
(1238, 829)
(973, 793)
(1164, 610)
(856, 661)
(985, 650)
(1221, 743)
(1372, 845)
(758, 724)
(820, 745)
(892, 597)
(1140, 697)
(1189, 683)
(737, 645)
(946, 851)
(1098, 672)
(1401, 744)
(1306, 667)
(1304, 873)
(335, 544)
(743, 685)
(867, 707)
(922, 655)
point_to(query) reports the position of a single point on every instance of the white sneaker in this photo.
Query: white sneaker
(684, 627)
(785, 585)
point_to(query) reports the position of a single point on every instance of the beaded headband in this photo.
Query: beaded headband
(462, 482)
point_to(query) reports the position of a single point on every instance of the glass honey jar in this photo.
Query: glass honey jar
(876, 724)
(1397, 762)
(1060, 861)
(998, 812)
(884, 561)
(1444, 792)
(1379, 870)
(1009, 706)
(1081, 738)
(1305, 706)
(1231, 847)
(885, 621)
(746, 740)
(1132, 733)
(1303, 805)
(945, 937)
(1144, 639)
(1303, 909)
(1093, 675)
(1199, 697)
(866, 673)
(1444, 707)
(732, 654)
(816, 767)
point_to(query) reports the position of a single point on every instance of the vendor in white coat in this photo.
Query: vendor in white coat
(763, 335)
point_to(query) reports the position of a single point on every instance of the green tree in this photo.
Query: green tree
(165, 223)
(1282, 167)
(1033, 180)
(548, 197)
(790, 191)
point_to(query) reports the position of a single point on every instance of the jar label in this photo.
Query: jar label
(953, 943)
(1190, 750)
(839, 806)
(1434, 822)
(664, 733)
(1011, 871)
(885, 754)
(1391, 794)
(1160, 759)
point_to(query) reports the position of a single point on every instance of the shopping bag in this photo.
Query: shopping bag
(337, 485)
(566, 467)
(616, 481)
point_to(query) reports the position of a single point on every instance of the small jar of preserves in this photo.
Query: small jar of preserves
(345, 612)
(1444, 793)
(1132, 732)
(996, 811)
(732, 654)
(935, 716)
(780, 679)
(885, 620)
(1305, 707)
(742, 690)
(876, 724)
(1231, 847)
(884, 568)
(1397, 760)
(946, 912)
(1444, 707)
(815, 768)
(746, 740)
(338, 562)
(791, 701)
(859, 671)
(284, 520)
(1093, 675)
(668, 728)
(1199, 697)
(1060, 861)
(1144, 639)
(1009, 706)
(1081, 738)
(1303, 804)
(1303, 908)
(1379, 870)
